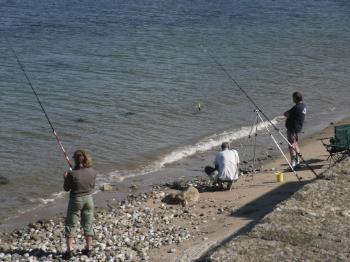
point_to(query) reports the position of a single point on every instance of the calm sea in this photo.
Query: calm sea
(123, 80)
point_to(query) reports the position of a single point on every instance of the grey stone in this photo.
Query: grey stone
(106, 187)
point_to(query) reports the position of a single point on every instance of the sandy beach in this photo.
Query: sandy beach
(143, 227)
(228, 214)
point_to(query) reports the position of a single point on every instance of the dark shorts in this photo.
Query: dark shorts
(292, 136)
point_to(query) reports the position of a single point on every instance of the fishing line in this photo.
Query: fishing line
(258, 109)
(43, 109)
(239, 87)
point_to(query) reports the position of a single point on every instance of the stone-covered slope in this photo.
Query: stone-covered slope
(313, 225)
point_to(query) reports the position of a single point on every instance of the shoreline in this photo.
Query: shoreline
(171, 171)
(218, 207)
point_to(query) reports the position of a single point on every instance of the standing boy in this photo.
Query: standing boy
(294, 124)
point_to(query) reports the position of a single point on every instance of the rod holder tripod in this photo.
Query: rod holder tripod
(276, 143)
(260, 112)
(254, 133)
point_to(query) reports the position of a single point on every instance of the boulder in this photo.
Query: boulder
(106, 187)
(186, 197)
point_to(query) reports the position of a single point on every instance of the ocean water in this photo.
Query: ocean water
(123, 80)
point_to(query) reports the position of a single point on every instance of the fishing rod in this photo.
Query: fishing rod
(43, 109)
(258, 109)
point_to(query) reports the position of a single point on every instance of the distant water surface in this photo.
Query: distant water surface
(123, 79)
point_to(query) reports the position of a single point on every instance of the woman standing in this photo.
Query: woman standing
(81, 183)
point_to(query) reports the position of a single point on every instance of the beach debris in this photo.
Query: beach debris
(106, 187)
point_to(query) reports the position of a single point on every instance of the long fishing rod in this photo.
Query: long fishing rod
(258, 109)
(43, 109)
(239, 87)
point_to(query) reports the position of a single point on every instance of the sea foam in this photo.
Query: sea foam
(203, 145)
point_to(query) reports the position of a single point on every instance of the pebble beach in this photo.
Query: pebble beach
(144, 227)
(124, 231)
(150, 91)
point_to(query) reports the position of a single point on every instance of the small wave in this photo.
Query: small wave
(34, 204)
(52, 198)
(204, 145)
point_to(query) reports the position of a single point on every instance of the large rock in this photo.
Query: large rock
(186, 197)
(106, 187)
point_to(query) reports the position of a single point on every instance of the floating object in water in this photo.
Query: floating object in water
(79, 120)
(4, 180)
(199, 107)
(129, 114)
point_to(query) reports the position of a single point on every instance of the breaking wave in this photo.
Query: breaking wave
(203, 145)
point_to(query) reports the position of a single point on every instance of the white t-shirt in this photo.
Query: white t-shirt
(227, 161)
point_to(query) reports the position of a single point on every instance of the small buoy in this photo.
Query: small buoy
(199, 107)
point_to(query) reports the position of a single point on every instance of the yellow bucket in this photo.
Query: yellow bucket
(279, 177)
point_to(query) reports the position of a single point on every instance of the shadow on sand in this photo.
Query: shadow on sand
(256, 210)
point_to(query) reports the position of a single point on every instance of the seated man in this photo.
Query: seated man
(226, 166)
